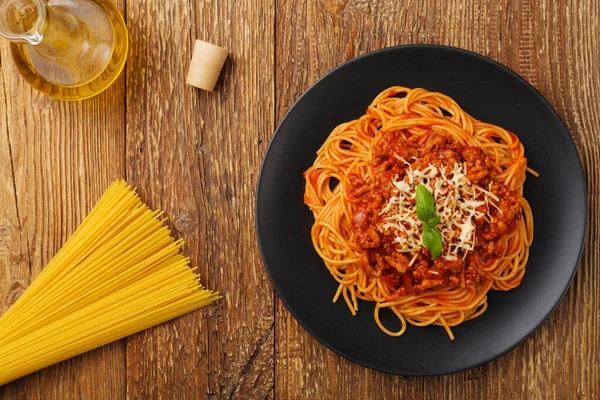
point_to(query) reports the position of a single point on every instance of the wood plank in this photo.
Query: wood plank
(57, 158)
(196, 155)
(15, 273)
(530, 37)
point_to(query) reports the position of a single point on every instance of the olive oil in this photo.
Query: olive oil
(69, 49)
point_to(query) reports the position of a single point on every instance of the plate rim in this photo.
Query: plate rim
(581, 175)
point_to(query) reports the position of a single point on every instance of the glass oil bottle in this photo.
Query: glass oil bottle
(66, 49)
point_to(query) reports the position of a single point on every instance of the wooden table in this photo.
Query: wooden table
(197, 155)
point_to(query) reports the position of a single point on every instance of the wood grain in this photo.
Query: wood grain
(197, 155)
(554, 45)
(58, 158)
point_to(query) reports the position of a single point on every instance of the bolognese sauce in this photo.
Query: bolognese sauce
(476, 211)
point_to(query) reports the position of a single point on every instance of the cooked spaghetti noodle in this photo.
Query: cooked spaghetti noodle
(361, 189)
(119, 273)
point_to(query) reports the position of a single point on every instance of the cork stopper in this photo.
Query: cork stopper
(206, 65)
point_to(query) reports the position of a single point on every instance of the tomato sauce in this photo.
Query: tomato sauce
(404, 272)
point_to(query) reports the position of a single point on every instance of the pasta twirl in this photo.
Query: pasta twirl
(431, 261)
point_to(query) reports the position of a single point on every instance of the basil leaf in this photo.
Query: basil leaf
(432, 239)
(425, 203)
(433, 221)
(436, 248)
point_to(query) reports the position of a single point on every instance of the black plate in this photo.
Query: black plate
(489, 92)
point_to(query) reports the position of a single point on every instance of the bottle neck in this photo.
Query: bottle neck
(53, 31)
(60, 35)
(22, 21)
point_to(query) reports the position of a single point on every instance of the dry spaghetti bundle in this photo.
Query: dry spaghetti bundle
(120, 272)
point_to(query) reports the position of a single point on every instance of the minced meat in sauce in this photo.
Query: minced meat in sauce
(381, 256)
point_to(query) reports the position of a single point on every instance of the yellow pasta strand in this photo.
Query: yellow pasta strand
(121, 272)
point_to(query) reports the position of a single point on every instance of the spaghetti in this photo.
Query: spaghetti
(120, 272)
(362, 191)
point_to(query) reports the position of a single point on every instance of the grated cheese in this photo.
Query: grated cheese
(456, 201)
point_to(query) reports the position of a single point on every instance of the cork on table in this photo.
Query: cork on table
(197, 155)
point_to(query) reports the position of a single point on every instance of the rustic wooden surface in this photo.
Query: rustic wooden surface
(197, 155)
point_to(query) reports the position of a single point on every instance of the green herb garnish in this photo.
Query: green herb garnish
(431, 237)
